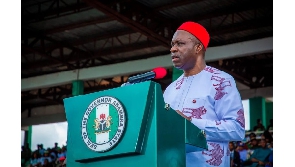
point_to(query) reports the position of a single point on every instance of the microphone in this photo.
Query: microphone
(156, 73)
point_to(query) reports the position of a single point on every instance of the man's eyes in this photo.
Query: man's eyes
(178, 43)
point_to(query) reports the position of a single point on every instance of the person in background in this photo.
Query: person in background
(64, 151)
(26, 154)
(242, 151)
(259, 126)
(234, 156)
(60, 153)
(252, 135)
(267, 136)
(46, 157)
(253, 146)
(56, 147)
(41, 149)
(46, 163)
(52, 154)
(260, 157)
(35, 160)
(270, 126)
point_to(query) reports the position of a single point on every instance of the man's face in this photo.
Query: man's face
(240, 148)
(263, 143)
(183, 50)
(231, 146)
(252, 137)
(254, 142)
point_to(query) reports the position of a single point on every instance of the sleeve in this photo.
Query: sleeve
(229, 109)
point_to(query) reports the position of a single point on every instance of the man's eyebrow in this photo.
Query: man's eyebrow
(192, 39)
(183, 40)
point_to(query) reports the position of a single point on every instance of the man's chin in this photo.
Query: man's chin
(177, 66)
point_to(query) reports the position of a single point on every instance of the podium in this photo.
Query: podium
(128, 126)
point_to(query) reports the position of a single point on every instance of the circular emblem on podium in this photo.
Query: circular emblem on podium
(103, 123)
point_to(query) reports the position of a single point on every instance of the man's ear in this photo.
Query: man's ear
(198, 47)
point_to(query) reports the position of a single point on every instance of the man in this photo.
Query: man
(46, 157)
(259, 126)
(41, 149)
(260, 157)
(270, 126)
(205, 96)
(235, 160)
(253, 145)
(26, 154)
(242, 151)
(252, 135)
(56, 147)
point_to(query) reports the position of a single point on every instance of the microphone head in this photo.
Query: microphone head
(160, 72)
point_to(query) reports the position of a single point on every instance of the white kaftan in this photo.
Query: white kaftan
(213, 101)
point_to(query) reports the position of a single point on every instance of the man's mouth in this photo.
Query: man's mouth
(175, 58)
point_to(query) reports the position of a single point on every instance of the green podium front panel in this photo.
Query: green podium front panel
(126, 126)
(194, 138)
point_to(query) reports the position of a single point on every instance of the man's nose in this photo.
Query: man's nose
(173, 49)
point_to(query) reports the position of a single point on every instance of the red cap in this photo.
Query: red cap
(197, 30)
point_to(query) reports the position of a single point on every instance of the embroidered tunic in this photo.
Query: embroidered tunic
(214, 103)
